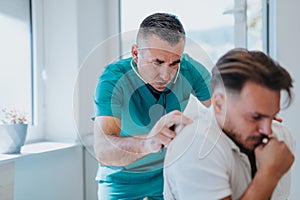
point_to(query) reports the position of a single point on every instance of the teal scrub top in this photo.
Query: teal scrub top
(122, 94)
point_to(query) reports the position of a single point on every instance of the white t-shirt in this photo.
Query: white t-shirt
(203, 163)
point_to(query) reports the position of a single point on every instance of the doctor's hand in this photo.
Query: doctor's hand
(163, 131)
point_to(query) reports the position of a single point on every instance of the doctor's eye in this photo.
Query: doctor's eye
(157, 64)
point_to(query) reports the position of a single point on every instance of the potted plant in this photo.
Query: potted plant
(13, 130)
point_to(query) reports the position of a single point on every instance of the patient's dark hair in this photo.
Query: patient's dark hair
(239, 66)
(165, 25)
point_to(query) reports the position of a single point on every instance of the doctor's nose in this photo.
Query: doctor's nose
(164, 73)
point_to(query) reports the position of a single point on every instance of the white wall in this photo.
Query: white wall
(97, 20)
(61, 65)
(91, 30)
(90, 168)
(285, 32)
(52, 175)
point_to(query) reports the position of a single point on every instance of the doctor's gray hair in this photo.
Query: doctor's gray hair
(164, 25)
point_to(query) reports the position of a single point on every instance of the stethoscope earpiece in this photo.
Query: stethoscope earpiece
(133, 68)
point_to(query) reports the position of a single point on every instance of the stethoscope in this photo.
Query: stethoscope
(163, 93)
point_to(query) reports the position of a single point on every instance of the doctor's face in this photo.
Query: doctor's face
(158, 61)
(250, 113)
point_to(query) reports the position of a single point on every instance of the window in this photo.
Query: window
(16, 55)
(257, 25)
(215, 25)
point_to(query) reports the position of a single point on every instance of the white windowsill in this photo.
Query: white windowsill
(37, 148)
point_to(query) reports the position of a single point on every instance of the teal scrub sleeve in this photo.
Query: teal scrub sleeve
(107, 99)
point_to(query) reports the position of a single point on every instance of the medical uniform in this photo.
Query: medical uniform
(122, 94)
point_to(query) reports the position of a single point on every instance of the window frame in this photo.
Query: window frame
(239, 13)
(36, 131)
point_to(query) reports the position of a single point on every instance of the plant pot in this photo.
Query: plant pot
(12, 137)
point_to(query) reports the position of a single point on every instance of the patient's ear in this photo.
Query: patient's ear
(218, 101)
(219, 106)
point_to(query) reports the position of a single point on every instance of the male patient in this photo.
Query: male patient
(235, 150)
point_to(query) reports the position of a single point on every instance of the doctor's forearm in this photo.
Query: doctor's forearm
(113, 150)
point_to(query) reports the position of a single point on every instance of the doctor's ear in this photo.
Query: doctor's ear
(134, 52)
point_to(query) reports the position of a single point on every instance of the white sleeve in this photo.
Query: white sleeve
(283, 188)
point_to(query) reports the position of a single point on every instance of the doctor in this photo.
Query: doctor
(138, 101)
